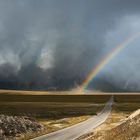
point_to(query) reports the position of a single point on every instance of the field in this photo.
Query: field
(57, 110)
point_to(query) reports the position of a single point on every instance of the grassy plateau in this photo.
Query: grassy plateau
(57, 110)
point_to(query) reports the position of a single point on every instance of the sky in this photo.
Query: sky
(54, 44)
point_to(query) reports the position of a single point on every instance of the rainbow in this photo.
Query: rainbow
(97, 69)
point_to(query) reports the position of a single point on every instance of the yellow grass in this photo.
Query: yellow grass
(73, 92)
(59, 109)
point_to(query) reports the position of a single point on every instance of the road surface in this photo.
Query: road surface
(75, 131)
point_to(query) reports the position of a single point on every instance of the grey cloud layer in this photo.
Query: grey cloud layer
(55, 43)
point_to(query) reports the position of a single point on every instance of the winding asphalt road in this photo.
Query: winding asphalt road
(75, 131)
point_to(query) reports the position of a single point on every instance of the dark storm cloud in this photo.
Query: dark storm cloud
(55, 43)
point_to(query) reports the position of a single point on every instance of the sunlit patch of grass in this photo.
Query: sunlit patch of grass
(53, 125)
(54, 116)
(120, 112)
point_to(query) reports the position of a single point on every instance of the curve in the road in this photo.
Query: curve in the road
(75, 131)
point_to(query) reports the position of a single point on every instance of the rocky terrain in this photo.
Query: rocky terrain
(11, 126)
(126, 129)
